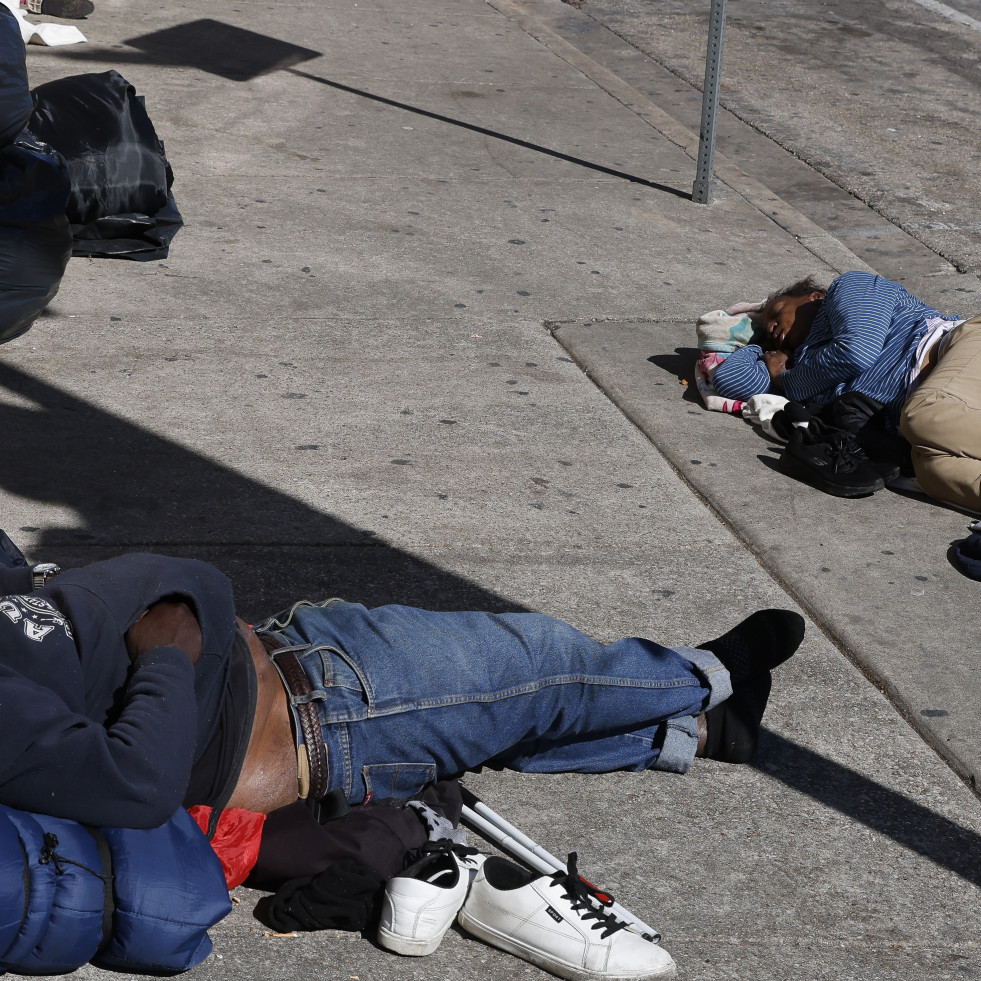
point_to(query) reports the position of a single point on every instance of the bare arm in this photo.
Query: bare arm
(168, 623)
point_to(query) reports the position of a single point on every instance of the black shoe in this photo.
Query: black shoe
(67, 9)
(749, 652)
(830, 460)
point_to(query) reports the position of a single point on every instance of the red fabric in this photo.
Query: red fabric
(236, 840)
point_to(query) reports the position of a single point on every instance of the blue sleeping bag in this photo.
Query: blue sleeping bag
(35, 236)
(140, 901)
(16, 103)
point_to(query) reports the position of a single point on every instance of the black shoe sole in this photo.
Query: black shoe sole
(794, 468)
(65, 9)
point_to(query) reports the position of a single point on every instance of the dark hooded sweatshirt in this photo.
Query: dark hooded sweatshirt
(86, 733)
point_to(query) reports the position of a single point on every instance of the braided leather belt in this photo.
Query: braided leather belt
(311, 755)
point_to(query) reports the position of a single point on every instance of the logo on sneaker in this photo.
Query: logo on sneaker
(554, 914)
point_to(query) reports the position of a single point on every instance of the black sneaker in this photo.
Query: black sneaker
(67, 9)
(830, 460)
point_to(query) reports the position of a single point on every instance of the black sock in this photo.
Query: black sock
(733, 728)
(758, 644)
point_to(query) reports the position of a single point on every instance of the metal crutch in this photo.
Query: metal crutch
(506, 836)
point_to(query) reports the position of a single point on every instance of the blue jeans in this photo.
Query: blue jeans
(407, 696)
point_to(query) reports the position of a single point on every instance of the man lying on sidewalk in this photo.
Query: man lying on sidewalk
(128, 688)
(870, 337)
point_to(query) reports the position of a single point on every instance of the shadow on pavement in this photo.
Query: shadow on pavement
(908, 823)
(579, 161)
(208, 45)
(132, 490)
(681, 365)
(240, 55)
(221, 49)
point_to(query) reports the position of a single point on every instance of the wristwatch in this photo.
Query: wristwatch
(44, 572)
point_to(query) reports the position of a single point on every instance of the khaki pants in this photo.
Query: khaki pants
(942, 421)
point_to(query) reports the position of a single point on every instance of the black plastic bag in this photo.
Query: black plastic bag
(121, 204)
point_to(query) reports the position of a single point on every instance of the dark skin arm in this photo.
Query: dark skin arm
(776, 364)
(168, 623)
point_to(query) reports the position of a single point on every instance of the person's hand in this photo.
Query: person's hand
(168, 623)
(776, 364)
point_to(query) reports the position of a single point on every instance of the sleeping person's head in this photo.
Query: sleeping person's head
(783, 323)
(787, 315)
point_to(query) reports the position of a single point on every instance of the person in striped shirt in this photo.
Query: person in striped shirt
(868, 335)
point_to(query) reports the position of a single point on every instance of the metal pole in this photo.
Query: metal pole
(506, 836)
(702, 188)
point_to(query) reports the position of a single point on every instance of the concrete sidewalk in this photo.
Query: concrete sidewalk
(360, 373)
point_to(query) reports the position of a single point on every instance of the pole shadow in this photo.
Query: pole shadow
(207, 45)
(241, 55)
(494, 134)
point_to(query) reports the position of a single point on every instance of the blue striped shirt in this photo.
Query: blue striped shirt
(863, 339)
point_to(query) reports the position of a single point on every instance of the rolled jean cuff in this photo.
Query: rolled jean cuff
(681, 734)
(713, 671)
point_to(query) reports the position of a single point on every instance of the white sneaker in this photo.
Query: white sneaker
(421, 902)
(559, 923)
